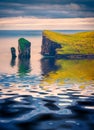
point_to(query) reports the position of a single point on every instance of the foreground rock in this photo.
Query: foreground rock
(49, 47)
(13, 52)
(24, 48)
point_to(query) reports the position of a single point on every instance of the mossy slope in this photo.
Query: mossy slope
(78, 43)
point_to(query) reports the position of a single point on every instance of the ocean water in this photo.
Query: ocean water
(44, 93)
(31, 33)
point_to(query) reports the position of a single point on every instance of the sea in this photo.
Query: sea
(44, 93)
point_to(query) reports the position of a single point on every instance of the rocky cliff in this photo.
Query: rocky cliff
(74, 46)
(49, 47)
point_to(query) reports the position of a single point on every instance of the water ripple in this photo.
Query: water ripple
(37, 107)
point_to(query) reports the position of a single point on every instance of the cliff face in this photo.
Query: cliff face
(49, 47)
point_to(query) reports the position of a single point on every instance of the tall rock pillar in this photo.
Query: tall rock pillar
(24, 48)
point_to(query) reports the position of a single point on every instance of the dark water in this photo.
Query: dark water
(44, 93)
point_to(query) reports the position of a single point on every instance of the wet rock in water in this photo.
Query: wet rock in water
(24, 48)
(49, 47)
(13, 52)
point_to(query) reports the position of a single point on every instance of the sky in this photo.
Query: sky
(47, 14)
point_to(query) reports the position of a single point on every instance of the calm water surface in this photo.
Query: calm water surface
(44, 93)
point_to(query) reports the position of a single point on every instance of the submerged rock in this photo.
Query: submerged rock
(24, 48)
(49, 47)
(13, 52)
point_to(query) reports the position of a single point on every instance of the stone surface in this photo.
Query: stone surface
(49, 47)
(13, 52)
(24, 48)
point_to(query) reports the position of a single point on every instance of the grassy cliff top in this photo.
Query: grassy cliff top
(78, 43)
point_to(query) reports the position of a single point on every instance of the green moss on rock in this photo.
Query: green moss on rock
(23, 42)
(24, 48)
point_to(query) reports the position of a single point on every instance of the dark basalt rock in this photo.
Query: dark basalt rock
(24, 48)
(49, 47)
(13, 52)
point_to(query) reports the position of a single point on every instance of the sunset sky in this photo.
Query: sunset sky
(46, 14)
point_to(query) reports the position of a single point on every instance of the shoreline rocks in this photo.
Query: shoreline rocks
(75, 56)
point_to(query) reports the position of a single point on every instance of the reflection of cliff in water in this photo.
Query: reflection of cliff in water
(48, 65)
(24, 66)
(72, 71)
(13, 61)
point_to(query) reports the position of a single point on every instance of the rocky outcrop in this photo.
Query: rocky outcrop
(49, 47)
(24, 48)
(13, 52)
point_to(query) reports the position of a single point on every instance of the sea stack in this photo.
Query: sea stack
(24, 48)
(13, 52)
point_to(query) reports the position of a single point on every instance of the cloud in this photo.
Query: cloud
(53, 7)
(33, 23)
(46, 9)
(47, 1)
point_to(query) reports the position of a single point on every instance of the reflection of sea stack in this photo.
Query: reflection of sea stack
(24, 48)
(13, 62)
(24, 66)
